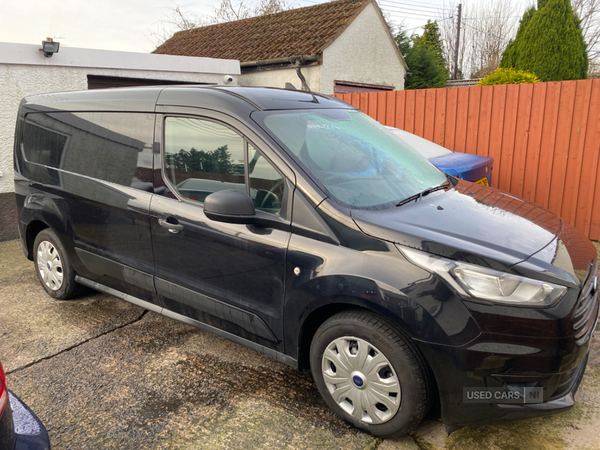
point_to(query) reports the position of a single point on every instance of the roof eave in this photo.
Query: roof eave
(289, 59)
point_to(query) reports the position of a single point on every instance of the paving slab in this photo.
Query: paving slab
(34, 326)
(403, 443)
(157, 383)
(102, 373)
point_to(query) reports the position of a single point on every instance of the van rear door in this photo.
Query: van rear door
(94, 171)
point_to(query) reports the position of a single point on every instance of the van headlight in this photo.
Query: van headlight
(476, 282)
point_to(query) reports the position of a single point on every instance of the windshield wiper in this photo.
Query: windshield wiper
(427, 191)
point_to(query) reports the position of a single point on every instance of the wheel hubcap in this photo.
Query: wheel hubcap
(361, 380)
(50, 266)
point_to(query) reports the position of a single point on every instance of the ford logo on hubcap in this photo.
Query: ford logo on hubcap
(358, 381)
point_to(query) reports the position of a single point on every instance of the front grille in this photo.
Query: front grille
(586, 309)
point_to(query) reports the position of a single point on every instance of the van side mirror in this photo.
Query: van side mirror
(230, 207)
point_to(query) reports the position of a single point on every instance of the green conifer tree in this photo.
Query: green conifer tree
(425, 68)
(422, 57)
(509, 56)
(402, 40)
(432, 39)
(549, 43)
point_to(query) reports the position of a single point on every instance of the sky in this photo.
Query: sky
(125, 25)
(132, 25)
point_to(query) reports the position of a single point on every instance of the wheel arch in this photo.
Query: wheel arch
(39, 212)
(334, 306)
(33, 229)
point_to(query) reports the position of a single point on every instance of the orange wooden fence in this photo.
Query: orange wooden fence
(544, 137)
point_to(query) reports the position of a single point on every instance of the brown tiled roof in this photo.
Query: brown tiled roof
(297, 32)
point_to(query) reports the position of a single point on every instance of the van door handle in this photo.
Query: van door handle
(172, 227)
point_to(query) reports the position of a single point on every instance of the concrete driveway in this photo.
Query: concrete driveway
(102, 373)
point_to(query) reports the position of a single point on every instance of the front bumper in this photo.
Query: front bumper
(545, 350)
(498, 362)
(495, 362)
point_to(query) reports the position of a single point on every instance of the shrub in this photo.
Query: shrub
(509, 76)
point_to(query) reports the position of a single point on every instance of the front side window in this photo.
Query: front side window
(203, 156)
(355, 158)
(266, 183)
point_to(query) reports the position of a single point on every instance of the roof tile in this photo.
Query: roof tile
(297, 32)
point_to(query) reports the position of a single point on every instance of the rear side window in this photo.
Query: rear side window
(43, 146)
(114, 147)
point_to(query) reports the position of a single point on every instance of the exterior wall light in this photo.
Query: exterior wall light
(49, 47)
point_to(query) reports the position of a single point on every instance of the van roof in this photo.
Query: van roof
(147, 98)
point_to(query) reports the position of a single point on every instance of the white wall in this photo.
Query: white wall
(363, 53)
(278, 78)
(24, 70)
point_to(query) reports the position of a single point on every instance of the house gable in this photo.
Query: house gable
(364, 53)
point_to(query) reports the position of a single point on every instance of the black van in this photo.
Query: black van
(296, 225)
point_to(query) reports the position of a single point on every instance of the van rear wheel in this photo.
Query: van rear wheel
(370, 374)
(53, 267)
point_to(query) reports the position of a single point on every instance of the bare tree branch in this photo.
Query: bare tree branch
(448, 28)
(588, 12)
(176, 20)
(230, 10)
(492, 26)
(486, 29)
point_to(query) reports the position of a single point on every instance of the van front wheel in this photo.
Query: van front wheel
(52, 266)
(370, 374)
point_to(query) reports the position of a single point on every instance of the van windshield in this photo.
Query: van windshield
(358, 161)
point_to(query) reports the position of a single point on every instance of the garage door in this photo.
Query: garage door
(101, 82)
(348, 87)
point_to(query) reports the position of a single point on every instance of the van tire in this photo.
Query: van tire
(52, 266)
(408, 385)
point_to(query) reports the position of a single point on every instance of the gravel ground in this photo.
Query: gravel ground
(102, 373)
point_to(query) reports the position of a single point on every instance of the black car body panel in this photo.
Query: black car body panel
(29, 432)
(20, 429)
(490, 230)
(137, 233)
